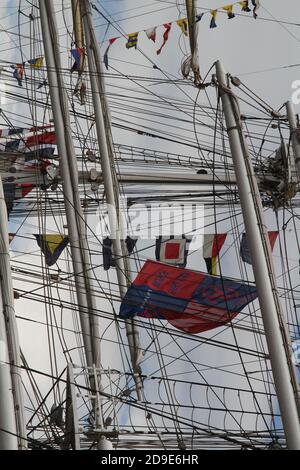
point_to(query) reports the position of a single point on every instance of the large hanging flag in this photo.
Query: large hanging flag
(132, 40)
(44, 138)
(11, 145)
(151, 33)
(245, 6)
(183, 25)
(213, 23)
(212, 245)
(105, 57)
(107, 251)
(36, 63)
(229, 10)
(244, 249)
(52, 246)
(172, 250)
(256, 4)
(78, 55)
(38, 152)
(18, 73)
(167, 27)
(11, 131)
(191, 301)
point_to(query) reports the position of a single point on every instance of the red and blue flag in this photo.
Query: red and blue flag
(191, 301)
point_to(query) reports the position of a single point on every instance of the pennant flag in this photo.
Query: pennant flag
(52, 246)
(22, 190)
(213, 23)
(132, 40)
(245, 6)
(11, 236)
(244, 249)
(105, 57)
(151, 33)
(229, 10)
(18, 73)
(191, 301)
(78, 55)
(41, 84)
(172, 250)
(13, 192)
(107, 251)
(211, 248)
(256, 4)
(36, 63)
(167, 27)
(183, 25)
(199, 17)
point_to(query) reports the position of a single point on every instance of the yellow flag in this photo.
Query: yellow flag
(229, 10)
(37, 63)
(183, 25)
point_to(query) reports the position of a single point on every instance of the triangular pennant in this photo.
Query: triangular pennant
(18, 73)
(105, 57)
(11, 236)
(78, 55)
(183, 25)
(213, 23)
(199, 17)
(41, 84)
(52, 246)
(212, 245)
(167, 27)
(244, 249)
(36, 63)
(151, 33)
(245, 6)
(132, 40)
(229, 10)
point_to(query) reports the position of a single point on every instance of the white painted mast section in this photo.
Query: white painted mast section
(294, 127)
(12, 329)
(257, 237)
(110, 180)
(69, 172)
(8, 427)
(191, 8)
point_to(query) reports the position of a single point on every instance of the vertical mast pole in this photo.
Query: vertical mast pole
(257, 237)
(110, 180)
(12, 329)
(8, 427)
(74, 213)
(191, 9)
(295, 138)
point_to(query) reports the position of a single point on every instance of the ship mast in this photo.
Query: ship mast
(279, 346)
(74, 213)
(110, 180)
(12, 419)
(191, 8)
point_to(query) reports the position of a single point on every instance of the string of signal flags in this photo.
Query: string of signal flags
(151, 33)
